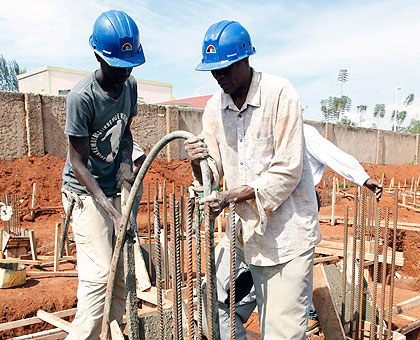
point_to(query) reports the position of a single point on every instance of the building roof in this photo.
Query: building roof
(193, 102)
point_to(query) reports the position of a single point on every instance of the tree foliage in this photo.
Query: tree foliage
(400, 117)
(343, 76)
(361, 109)
(409, 99)
(333, 107)
(347, 121)
(8, 75)
(414, 126)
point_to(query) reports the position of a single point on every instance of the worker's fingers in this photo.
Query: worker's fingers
(196, 148)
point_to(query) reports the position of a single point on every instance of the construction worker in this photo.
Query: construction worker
(99, 111)
(253, 136)
(320, 153)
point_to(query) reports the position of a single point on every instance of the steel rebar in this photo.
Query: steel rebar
(232, 305)
(384, 265)
(198, 269)
(158, 262)
(190, 287)
(375, 273)
(344, 274)
(360, 293)
(178, 282)
(149, 231)
(353, 265)
(392, 274)
(165, 236)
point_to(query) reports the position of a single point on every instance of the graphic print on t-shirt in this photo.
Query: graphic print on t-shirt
(105, 142)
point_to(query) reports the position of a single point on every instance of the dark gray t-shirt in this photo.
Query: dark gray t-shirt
(90, 112)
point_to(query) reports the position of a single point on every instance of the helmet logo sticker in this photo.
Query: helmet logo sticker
(127, 47)
(211, 49)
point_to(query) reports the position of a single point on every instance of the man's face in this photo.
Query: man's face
(117, 75)
(231, 78)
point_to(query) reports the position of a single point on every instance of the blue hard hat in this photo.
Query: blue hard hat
(225, 43)
(116, 40)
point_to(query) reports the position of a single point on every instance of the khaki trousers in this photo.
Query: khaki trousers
(94, 235)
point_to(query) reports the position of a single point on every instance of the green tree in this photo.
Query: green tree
(333, 107)
(343, 76)
(414, 126)
(401, 115)
(347, 121)
(379, 112)
(361, 109)
(8, 75)
(409, 99)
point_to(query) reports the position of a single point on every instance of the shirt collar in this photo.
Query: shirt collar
(253, 97)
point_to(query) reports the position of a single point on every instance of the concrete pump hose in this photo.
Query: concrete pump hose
(205, 170)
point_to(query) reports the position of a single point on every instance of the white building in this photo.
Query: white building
(50, 80)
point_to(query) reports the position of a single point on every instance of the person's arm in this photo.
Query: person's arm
(79, 154)
(341, 162)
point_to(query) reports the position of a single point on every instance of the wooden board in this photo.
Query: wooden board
(33, 320)
(54, 320)
(325, 306)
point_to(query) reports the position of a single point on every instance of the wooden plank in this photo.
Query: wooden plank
(30, 321)
(50, 334)
(369, 257)
(54, 320)
(39, 274)
(326, 259)
(57, 248)
(14, 260)
(33, 200)
(325, 306)
(33, 244)
(405, 306)
(410, 327)
(115, 331)
(401, 225)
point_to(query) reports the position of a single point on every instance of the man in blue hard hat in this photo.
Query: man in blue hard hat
(99, 111)
(253, 136)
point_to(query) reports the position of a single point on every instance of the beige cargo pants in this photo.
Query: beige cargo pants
(94, 235)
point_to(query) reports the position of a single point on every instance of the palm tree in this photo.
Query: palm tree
(361, 109)
(379, 112)
(342, 78)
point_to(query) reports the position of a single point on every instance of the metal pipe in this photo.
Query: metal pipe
(205, 170)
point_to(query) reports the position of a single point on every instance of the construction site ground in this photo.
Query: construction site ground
(59, 293)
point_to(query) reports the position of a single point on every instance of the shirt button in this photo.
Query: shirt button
(240, 140)
(240, 115)
(241, 163)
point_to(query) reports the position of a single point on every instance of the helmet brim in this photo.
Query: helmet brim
(134, 61)
(214, 66)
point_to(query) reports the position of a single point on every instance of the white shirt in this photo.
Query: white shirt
(321, 152)
(261, 145)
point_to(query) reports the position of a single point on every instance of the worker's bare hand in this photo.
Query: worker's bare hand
(116, 220)
(125, 173)
(374, 186)
(216, 202)
(196, 148)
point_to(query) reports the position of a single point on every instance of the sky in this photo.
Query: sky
(307, 42)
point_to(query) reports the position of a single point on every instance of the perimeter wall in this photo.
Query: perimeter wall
(32, 124)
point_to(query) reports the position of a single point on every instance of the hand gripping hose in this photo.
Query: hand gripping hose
(205, 170)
